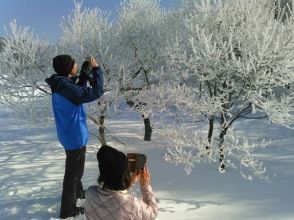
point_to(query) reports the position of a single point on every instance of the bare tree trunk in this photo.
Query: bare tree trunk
(221, 149)
(148, 129)
(147, 124)
(102, 130)
(210, 131)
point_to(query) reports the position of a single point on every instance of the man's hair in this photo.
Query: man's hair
(63, 64)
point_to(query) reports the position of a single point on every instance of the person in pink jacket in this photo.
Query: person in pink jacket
(110, 200)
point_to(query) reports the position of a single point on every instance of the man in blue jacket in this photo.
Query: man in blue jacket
(70, 119)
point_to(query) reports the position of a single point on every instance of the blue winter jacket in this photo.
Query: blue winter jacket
(67, 101)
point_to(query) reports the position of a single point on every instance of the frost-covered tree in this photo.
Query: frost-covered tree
(2, 71)
(283, 9)
(25, 61)
(87, 32)
(140, 42)
(2, 40)
(229, 60)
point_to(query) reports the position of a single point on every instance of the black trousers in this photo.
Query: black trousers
(72, 182)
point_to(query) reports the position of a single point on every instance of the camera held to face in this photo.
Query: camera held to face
(136, 161)
(87, 68)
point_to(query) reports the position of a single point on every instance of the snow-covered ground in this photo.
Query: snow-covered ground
(32, 165)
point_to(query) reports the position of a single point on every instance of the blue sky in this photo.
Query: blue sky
(43, 16)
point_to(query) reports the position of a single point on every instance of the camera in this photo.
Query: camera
(86, 67)
(136, 161)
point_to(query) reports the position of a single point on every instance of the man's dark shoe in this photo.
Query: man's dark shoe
(79, 211)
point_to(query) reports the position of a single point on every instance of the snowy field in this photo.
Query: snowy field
(32, 166)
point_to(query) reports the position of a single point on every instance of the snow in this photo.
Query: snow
(32, 166)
